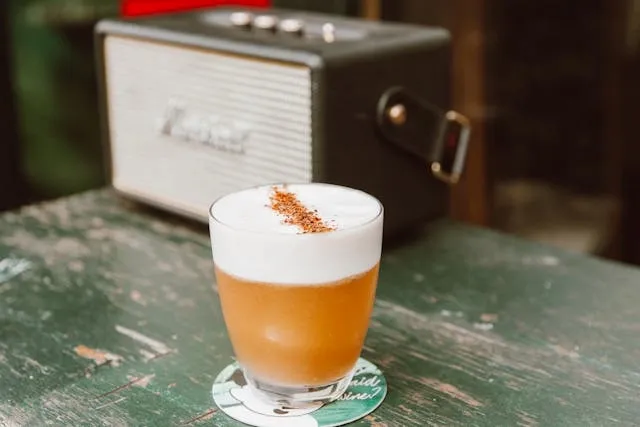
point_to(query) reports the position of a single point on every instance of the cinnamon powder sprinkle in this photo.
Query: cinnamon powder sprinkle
(295, 213)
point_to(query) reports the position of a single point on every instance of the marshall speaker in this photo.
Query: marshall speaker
(200, 104)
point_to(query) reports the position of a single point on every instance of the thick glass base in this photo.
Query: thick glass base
(298, 397)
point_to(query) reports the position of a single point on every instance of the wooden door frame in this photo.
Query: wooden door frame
(470, 198)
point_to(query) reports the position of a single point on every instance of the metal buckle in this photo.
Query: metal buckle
(461, 144)
(420, 128)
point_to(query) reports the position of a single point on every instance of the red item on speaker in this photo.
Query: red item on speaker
(132, 8)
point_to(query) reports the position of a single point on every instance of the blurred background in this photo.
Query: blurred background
(549, 86)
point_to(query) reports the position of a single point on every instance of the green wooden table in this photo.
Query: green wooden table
(108, 317)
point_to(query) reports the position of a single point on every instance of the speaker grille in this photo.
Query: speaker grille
(235, 122)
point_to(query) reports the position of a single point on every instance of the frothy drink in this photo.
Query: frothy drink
(297, 268)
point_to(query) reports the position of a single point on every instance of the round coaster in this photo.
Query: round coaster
(366, 392)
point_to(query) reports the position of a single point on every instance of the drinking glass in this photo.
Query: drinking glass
(297, 305)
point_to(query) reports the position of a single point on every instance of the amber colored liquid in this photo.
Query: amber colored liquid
(298, 335)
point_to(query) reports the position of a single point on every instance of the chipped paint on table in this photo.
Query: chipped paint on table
(109, 316)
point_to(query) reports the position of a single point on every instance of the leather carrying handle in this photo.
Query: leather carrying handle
(420, 128)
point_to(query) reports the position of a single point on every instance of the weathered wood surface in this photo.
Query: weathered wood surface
(108, 316)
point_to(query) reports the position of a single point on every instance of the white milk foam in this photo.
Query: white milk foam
(250, 241)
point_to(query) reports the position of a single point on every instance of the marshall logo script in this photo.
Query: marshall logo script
(209, 130)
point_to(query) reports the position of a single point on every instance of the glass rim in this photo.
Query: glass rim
(333, 232)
